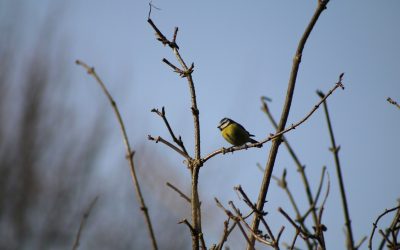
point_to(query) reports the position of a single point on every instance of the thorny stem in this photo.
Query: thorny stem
(335, 150)
(285, 113)
(129, 151)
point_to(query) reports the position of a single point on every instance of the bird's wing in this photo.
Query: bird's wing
(244, 129)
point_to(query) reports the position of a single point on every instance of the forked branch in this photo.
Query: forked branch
(193, 163)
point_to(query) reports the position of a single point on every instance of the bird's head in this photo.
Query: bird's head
(224, 123)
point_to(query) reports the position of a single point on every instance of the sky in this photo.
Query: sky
(243, 50)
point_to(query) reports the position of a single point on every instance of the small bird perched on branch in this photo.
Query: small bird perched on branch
(235, 133)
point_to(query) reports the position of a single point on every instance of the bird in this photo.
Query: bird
(235, 133)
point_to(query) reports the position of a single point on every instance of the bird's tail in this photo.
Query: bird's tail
(254, 141)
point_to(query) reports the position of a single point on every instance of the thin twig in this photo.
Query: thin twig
(321, 228)
(171, 132)
(302, 233)
(357, 246)
(294, 239)
(234, 218)
(282, 183)
(160, 139)
(321, 182)
(385, 237)
(271, 137)
(253, 207)
(178, 191)
(391, 101)
(83, 222)
(258, 236)
(395, 226)
(225, 234)
(375, 224)
(129, 152)
(187, 223)
(335, 150)
(279, 236)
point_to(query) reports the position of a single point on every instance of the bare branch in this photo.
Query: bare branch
(83, 222)
(234, 218)
(294, 239)
(176, 140)
(283, 184)
(160, 139)
(284, 116)
(375, 224)
(176, 69)
(187, 223)
(196, 163)
(321, 182)
(129, 153)
(335, 151)
(253, 207)
(357, 246)
(225, 234)
(391, 101)
(179, 192)
(302, 233)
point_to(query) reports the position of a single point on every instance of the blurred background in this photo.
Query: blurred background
(60, 144)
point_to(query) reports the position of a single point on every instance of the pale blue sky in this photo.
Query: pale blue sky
(243, 50)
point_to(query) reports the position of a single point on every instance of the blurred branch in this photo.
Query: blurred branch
(129, 152)
(321, 228)
(282, 183)
(335, 150)
(234, 218)
(391, 101)
(277, 135)
(375, 224)
(83, 222)
(321, 182)
(225, 234)
(179, 192)
(363, 239)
